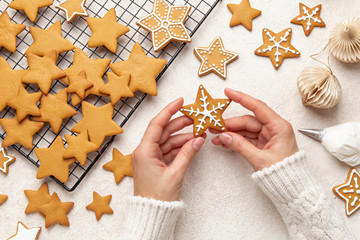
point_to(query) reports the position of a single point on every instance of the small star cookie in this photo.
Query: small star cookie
(166, 23)
(106, 31)
(37, 198)
(78, 84)
(3, 198)
(100, 205)
(117, 87)
(206, 112)
(120, 165)
(72, 9)
(243, 14)
(309, 18)
(277, 46)
(8, 32)
(25, 233)
(30, 7)
(214, 58)
(142, 69)
(5, 161)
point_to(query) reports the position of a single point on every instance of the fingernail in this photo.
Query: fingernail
(198, 143)
(226, 139)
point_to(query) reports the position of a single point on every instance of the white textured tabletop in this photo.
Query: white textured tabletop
(222, 201)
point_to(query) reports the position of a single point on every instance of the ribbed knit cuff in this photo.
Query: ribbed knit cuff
(286, 180)
(150, 219)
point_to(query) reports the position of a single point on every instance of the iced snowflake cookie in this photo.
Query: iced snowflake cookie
(214, 58)
(243, 14)
(206, 112)
(309, 18)
(277, 46)
(25, 233)
(72, 9)
(166, 23)
(350, 191)
(5, 161)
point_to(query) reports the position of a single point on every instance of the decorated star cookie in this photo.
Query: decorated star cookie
(206, 112)
(214, 58)
(5, 161)
(78, 147)
(120, 165)
(47, 40)
(72, 9)
(117, 87)
(277, 46)
(350, 191)
(30, 7)
(94, 69)
(243, 14)
(100, 205)
(54, 109)
(37, 198)
(3, 198)
(309, 18)
(21, 133)
(78, 84)
(142, 69)
(52, 162)
(166, 23)
(25, 233)
(56, 211)
(8, 32)
(25, 104)
(106, 31)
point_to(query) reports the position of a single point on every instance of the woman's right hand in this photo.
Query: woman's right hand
(263, 139)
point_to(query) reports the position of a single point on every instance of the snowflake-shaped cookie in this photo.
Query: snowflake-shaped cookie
(350, 191)
(206, 112)
(166, 23)
(277, 46)
(309, 18)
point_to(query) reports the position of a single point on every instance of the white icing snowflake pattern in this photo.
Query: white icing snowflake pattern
(309, 17)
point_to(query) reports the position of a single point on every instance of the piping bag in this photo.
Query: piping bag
(342, 141)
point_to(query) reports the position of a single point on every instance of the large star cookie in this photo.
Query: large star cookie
(277, 46)
(100, 205)
(5, 161)
(214, 58)
(243, 14)
(117, 87)
(142, 69)
(309, 18)
(206, 112)
(120, 165)
(72, 9)
(30, 8)
(350, 191)
(8, 32)
(166, 23)
(101, 36)
(25, 233)
(37, 198)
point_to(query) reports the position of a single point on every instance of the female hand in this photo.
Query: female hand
(153, 176)
(263, 139)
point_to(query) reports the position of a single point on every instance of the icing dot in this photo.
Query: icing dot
(259, 51)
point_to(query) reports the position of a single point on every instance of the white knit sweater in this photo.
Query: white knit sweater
(299, 198)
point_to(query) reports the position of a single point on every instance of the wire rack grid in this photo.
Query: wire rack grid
(78, 32)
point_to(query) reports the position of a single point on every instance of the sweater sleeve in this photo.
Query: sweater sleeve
(149, 219)
(301, 201)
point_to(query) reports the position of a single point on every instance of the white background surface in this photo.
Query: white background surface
(222, 201)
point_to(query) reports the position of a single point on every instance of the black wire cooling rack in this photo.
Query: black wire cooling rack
(77, 32)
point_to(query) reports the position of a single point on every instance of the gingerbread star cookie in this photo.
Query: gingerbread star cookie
(166, 23)
(52, 162)
(54, 109)
(8, 32)
(78, 84)
(142, 69)
(277, 46)
(120, 165)
(106, 31)
(21, 133)
(100, 205)
(243, 14)
(3, 198)
(350, 191)
(48, 40)
(98, 122)
(30, 7)
(309, 18)
(56, 211)
(25, 233)
(78, 147)
(214, 58)
(72, 9)
(37, 198)
(5, 161)
(206, 112)
(117, 87)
